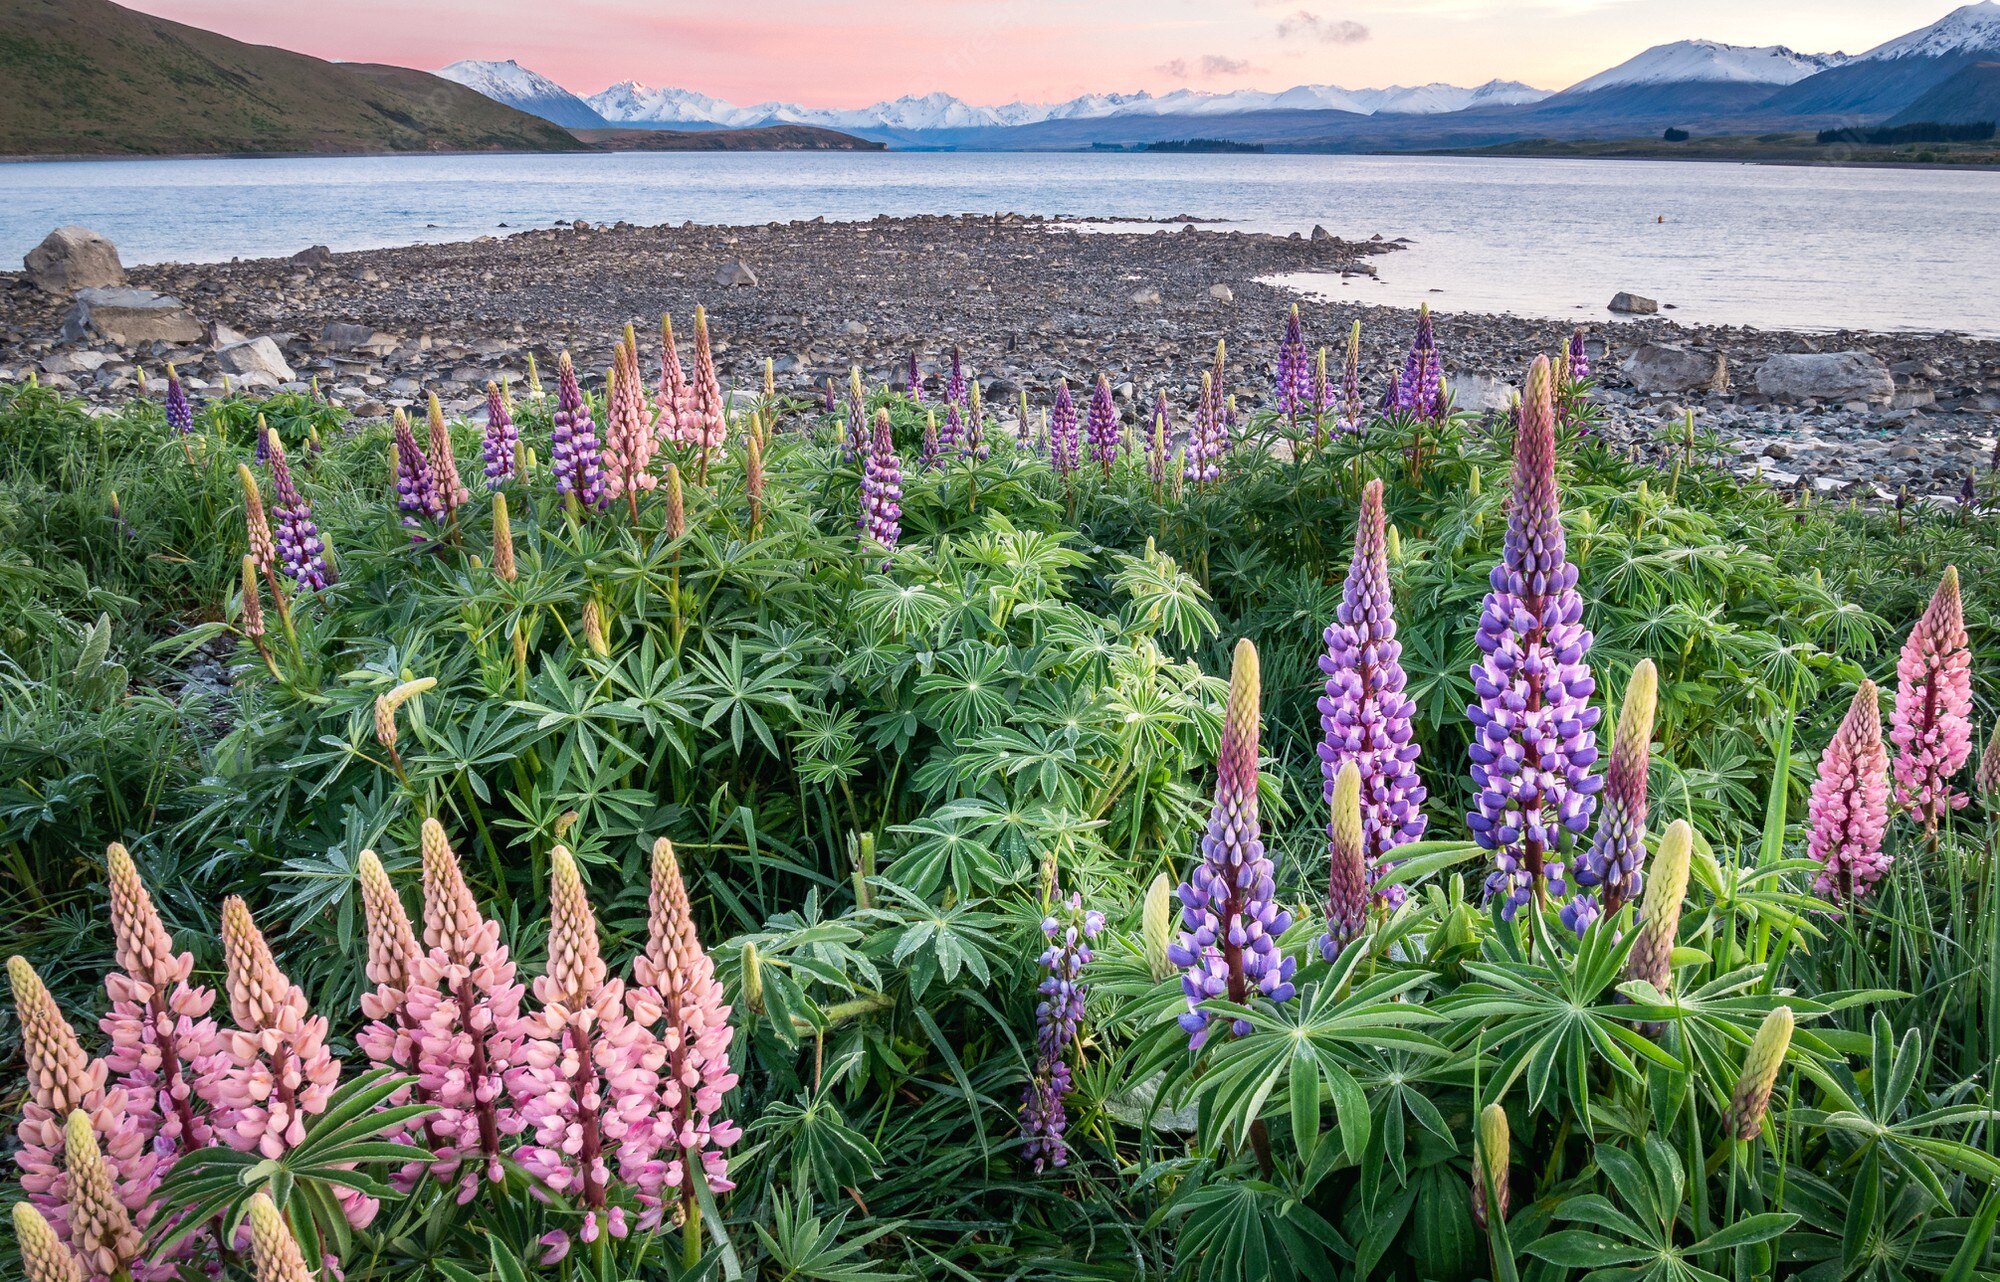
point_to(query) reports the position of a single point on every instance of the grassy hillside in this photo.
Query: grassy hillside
(87, 76)
(1970, 97)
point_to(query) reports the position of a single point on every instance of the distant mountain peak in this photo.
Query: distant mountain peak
(524, 90)
(1711, 62)
(1969, 28)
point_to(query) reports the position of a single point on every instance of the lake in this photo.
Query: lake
(1776, 247)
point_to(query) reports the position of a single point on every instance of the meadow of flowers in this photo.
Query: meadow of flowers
(659, 832)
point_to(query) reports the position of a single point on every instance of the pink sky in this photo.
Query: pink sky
(847, 53)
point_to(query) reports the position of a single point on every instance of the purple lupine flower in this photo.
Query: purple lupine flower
(1156, 446)
(1352, 410)
(500, 439)
(973, 441)
(1420, 391)
(1230, 917)
(1365, 716)
(882, 487)
(915, 391)
(1058, 1017)
(1204, 435)
(1617, 853)
(180, 414)
(1294, 376)
(1534, 729)
(574, 453)
(301, 553)
(1322, 397)
(1064, 447)
(933, 448)
(829, 400)
(416, 482)
(1579, 358)
(1103, 425)
(955, 385)
(854, 435)
(951, 437)
(1392, 396)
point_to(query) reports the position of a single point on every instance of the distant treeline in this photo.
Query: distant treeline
(1203, 144)
(1919, 131)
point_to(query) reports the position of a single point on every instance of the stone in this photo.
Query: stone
(346, 336)
(74, 362)
(128, 317)
(314, 256)
(1146, 296)
(1480, 394)
(254, 356)
(73, 258)
(1222, 293)
(1321, 233)
(854, 328)
(1669, 367)
(1826, 376)
(1634, 304)
(735, 274)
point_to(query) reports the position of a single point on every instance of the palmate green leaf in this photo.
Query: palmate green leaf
(1244, 1230)
(810, 1145)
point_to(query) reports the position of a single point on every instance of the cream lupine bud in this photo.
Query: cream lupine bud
(100, 1229)
(593, 628)
(575, 968)
(503, 540)
(1495, 1143)
(272, 1247)
(44, 1258)
(753, 480)
(1987, 778)
(252, 621)
(387, 704)
(259, 526)
(1348, 891)
(1651, 958)
(753, 979)
(770, 378)
(1156, 927)
(677, 522)
(1761, 1063)
(1395, 548)
(392, 945)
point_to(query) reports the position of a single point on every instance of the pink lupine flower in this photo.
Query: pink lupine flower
(674, 392)
(444, 461)
(276, 1071)
(1932, 725)
(467, 1007)
(677, 993)
(62, 1080)
(628, 431)
(391, 967)
(1850, 803)
(159, 1023)
(707, 429)
(589, 1075)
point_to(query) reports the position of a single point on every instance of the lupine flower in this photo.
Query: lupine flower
(951, 435)
(955, 385)
(1752, 1097)
(1205, 435)
(628, 433)
(101, 1235)
(829, 400)
(673, 384)
(1294, 375)
(503, 540)
(1611, 866)
(1024, 429)
(1156, 926)
(1495, 1143)
(180, 414)
(1849, 807)
(1103, 425)
(1651, 958)
(707, 429)
(1058, 1017)
(44, 1258)
(160, 1032)
(678, 994)
(855, 433)
(677, 521)
(444, 462)
(416, 481)
(1229, 912)
(1932, 725)
(1064, 445)
(273, 1249)
(1156, 444)
(386, 706)
(882, 487)
(914, 381)
(753, 481)
(1534, 729)
(1420, 391)
(975, 426)
(1353, 412)
(277, 1071)
(252, 622)
(1986, 779)
(301, 553)
(927, 455)
(501, 439)
(589, 1075)
(391, 967)
(61, 1081)
(1392, 395)
(593, 629)
(1579, 358)
(1365, 715)
(574, 454)
(258, 526)
(468, 1006)
(1322, 392)
(1348, 875)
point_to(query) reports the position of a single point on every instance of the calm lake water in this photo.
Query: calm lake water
(1805, 248)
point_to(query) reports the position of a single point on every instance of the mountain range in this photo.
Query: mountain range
(1690, 83)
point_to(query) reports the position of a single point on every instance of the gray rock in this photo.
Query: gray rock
(854, 328)
(1321, 233)
(254, 356)
(1222, 293)
(74, 362)
(73, 258)
(735, 274)
(1634, 304)
(347, 336)
(314, 256)
(1826, 376)
(1478, 393)
(1146, 296)
(1668, 367)
(128, 317)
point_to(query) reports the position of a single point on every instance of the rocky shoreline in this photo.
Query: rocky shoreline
(1029, 300)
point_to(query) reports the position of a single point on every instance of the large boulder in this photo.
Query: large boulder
(732, 274)
(347, 336)
(254, 356)
(1480, 394)
(129, 317)
(1826, 376)
(73, 258)
(1634, 304)
(1667, 367)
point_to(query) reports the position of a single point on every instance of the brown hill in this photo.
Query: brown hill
(87, 77)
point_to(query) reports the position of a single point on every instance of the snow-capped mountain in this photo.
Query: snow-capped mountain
(1975, 28)
(524, 90)
(1892, 76)
(1711, 62)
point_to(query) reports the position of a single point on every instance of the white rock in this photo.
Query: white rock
(128, 317)
(1826, 376)
(73, 258)
(1668, 367)
(254, 356)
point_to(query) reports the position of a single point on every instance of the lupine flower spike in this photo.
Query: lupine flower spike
(1322, 395)
(574, 454)
(180, 414)
(416, 481)
(1205, 433)
(753, 482)
(975, 425)
(1347, 875)
(1156, 444)
(1534, 730)
(708, 428)
(1229, 913)
(386, 706)
(501, 440)
(1294, 375)
(1064, 446)
(1353, 412)
(1986, 780)
(503, 541)
(1420, 390)
(444, 461)
(628, 433)
(1579, 358)
(927, 455)
(674, 393)
(1752, 1097)
(389, 1039)
(955, 384)
(913, 381)
(1849, 807)
(1058, 1017)
(44, 1258)
(1495, 1143)
(1365, 715)
(1157, 926)
(1103, 426)
(1932, 725)
(1651, 958)
(882, 487)
(273, 1249)
(258, 527)
(301, 552)
(1611, 867)
(101, 1234)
